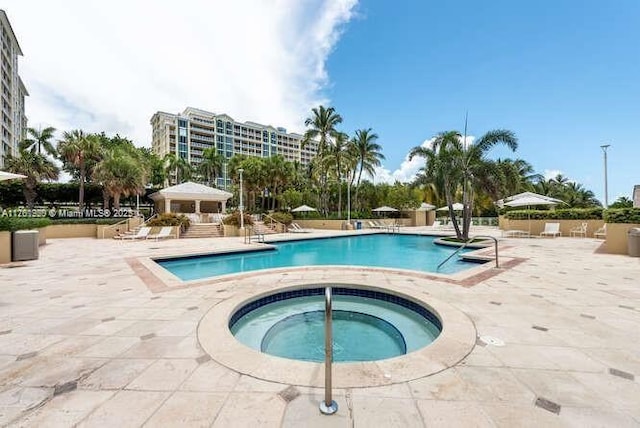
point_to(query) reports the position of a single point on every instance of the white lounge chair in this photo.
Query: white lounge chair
(601, 233)
(295, 228)
(375, 225)
(551, 229)
(437, 224)
(142, 233)
(165, 232)
(579, 230)
(515, 234)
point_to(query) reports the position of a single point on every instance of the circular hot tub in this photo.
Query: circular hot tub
(367, 325)
(381, 335)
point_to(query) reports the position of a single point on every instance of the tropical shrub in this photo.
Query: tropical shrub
(566, 214)
(234, 219)
(622, 215)
(12, 224)
(170, 219)
(282, 217)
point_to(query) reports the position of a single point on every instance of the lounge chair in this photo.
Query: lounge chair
(551, 229)
(515, 234)
(165, 232)
(601, 233)
(375, 225)
(579, 230)
(295, 228)
(437, 224)
(142, 233)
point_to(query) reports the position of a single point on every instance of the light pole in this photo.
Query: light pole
(349, 197)
(604, 148)
(241, 207)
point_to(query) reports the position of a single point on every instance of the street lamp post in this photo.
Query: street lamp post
(604, 148)
(241, 207)
(349, 197)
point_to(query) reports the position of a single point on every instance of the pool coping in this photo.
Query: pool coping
(159, 279)
(456, 340)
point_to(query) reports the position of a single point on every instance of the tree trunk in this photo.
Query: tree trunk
(452, 214)
(105, 198)
(81, 196)
(358, 186)
(30, 194)
(116, 201)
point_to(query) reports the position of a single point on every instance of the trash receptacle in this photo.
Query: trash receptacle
(358, 225)
(633, 240)
(25, 245)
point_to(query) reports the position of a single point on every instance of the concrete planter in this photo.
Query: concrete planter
(231, 230)
(616, 242)
(71, 231)
(5, 247)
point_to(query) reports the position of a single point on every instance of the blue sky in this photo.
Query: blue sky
(563, 75)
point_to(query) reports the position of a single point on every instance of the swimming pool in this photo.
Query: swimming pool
(367, 325)
(401, 251)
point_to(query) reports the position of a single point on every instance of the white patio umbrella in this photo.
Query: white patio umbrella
(426, 207)
(303, 209)
(456, 207)
(532, 200)
(384, 209)
(9, 176)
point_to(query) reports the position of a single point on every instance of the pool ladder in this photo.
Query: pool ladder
(495, 240)
(328, 406)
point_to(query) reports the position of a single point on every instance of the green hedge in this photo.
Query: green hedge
(622, 215)
(234, 219)
(170, 219)
(566, 214)
(12, 224)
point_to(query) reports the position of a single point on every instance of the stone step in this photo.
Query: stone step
(203, 230)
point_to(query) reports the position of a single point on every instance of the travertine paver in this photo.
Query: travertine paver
(80, 323)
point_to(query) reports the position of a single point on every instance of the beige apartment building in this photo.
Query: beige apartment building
(14, 121)
(189, 133)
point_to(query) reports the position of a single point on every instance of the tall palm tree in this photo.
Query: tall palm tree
(36, 167)
(178, 165)
(39, 140)
(322, 128)
(121, 174)
(78, 150)
(211, 165)
(336, 158)
(368, 153)
(462, 165)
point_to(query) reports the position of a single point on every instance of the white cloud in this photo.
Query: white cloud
(109, 65)
(552, 173)
(408, 168)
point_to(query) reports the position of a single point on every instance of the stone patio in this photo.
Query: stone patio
(86, 341)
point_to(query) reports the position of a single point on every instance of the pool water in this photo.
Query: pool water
(413, 252)
(364, 328)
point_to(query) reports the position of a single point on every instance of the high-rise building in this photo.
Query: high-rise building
(14, 121)
(189, 133)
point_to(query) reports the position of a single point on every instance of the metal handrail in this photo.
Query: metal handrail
(273, 220)
(113, 225)
(248, 232)
(328, 406)
(467, 243)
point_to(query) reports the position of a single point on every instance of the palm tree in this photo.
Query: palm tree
(211, 166)
(121, 174)
(36, 167)
(40, 139)
(368, 154)
(458, 164)
(322, 128)
(336, 158)
(178, 165)
(78, 150)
